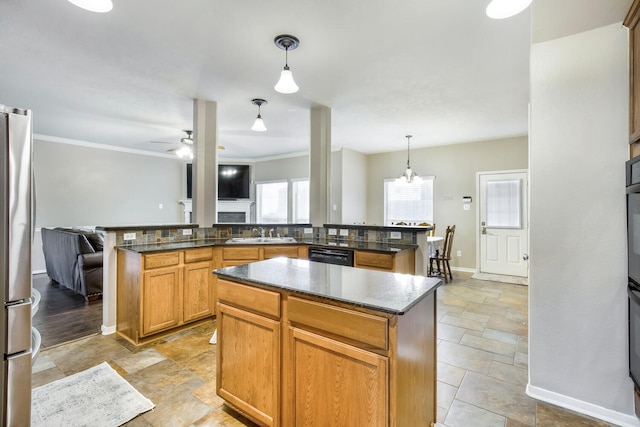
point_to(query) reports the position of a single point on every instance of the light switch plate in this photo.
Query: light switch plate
(187, 232)
(129, 236)
(344, 232)
(333, 232)
(308, 231)
(395, 235)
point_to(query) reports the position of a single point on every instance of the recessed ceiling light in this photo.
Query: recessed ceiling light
(499, 9)
(100, 6)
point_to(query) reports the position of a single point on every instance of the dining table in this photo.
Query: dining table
(435, 246)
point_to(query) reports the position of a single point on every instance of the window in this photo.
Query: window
(300, 197)
(408, 203)
(271, 202)
(503, 204)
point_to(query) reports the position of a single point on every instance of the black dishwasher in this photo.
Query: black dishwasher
(331, 255)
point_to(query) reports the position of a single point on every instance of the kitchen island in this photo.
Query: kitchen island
(305, 343)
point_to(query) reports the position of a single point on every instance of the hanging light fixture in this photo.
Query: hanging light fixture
(286, 83)
(258, 125)
(409, 175)
(100, 6)
(499, 9)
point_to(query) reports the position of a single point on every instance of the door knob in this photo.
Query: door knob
(484, 230)
(525, 257)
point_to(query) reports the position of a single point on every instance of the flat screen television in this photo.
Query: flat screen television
(233, 182)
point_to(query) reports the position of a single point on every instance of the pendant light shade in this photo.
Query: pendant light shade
(258, 125)
(286, 84)
(100, 6)
(500, 9)
(409, 174)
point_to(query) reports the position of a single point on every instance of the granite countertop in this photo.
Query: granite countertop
(377, 290)
(189, 244)
(146, 227)
(416, 228)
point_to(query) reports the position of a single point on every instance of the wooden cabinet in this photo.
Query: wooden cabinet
(160, 292)
(248, 352)
(631, 21)
(237, 255)
(294, 360)
(160, 299)
(398, 262)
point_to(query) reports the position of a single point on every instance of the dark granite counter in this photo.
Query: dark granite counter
(414, 228)
(388, 292)
(189, 244)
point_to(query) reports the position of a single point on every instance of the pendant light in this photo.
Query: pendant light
(499, 9)
(100, 6)
(258, 125)
(409, 175)
(286, 83)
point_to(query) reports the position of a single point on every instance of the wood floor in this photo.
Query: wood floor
(63, 315)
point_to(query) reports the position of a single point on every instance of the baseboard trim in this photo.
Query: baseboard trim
(463, 269)
(108, 330)
(586, 408)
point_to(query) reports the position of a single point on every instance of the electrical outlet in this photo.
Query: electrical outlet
(333, 232)
(160, 206)
(308, 231)
(395, 235)
(129, 236)
(187, 232)
(459, 253)
(344, 231)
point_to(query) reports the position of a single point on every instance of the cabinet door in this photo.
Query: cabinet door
(198, 290)
(160, 299)
(338, 383)
(248, 363)
(374, 260)
(276, 251)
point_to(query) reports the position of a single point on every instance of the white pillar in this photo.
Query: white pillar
(205, 162)
(320, 166)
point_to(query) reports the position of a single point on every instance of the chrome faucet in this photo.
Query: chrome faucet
(259, 230)
(271, 233)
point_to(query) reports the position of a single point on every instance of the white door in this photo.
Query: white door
(503, 227)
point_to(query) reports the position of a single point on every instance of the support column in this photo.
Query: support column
(320, 166)
(205, 162)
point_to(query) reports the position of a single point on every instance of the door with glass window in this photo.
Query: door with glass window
(503, 223)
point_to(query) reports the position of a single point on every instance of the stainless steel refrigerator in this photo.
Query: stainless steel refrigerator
(16, 229)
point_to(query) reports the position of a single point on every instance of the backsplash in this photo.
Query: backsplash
(331, 233)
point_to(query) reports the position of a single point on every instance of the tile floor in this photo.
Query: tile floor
(482, 366)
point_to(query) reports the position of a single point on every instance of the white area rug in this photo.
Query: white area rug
(95, 397)
(501, 278)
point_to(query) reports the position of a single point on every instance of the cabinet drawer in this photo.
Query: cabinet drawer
(355, 326)
(246, 252)
(164, 259)
(374, 259)
(201, 254)
(276, 251)
(253, 299)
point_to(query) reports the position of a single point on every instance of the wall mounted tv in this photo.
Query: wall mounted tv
(233, 182)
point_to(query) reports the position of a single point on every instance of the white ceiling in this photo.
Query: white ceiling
(437, 69)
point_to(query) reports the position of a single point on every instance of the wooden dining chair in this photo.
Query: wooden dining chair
(442, 260)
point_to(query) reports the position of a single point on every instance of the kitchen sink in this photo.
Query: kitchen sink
(261, 240)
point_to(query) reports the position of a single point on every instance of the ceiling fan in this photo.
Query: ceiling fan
(185, 150)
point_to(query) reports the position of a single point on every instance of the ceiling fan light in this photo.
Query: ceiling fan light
(500, 9)
(258, 125)
(286, 84)
(100, 6)
(184, 152)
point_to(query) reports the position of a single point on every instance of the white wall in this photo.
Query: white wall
(454, 168)
(578, 146)
(88, 186)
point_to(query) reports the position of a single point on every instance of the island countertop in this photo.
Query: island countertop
(387, 292)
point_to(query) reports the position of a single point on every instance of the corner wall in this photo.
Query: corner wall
(578, 270)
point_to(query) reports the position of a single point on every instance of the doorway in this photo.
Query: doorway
(503, 223)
